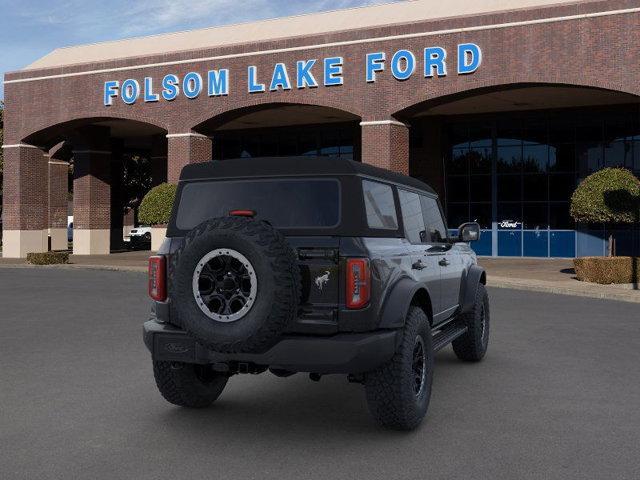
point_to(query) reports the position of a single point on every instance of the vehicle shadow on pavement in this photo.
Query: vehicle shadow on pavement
(265, 405)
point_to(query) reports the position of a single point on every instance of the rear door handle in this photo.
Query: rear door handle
(444, 262)
(418, 265)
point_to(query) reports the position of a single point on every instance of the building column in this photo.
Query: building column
(185, 149)
(158, 160)
(385, 144)
(25, 210)
(116, 222)
(58, 191)
(91, 191)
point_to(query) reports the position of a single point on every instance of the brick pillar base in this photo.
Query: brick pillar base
(25, 212)
(184, 149)
(385, 144)
(91, 202)
(58, 191)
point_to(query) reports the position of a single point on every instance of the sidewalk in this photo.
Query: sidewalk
(538, 275)
(135, 261)
(551, 276)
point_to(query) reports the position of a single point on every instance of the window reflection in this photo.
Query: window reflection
(337, 141)
(538, 157)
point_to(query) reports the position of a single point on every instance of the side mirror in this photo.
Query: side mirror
(469, 232)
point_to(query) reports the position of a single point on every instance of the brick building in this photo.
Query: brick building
(501, 105)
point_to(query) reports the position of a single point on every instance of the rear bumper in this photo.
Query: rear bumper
(342, 353)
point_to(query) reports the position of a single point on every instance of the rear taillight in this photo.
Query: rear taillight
(358, 282)
(158, 278)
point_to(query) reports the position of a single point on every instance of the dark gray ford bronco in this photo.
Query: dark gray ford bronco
(312, 265)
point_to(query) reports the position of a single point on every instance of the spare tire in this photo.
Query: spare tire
(235, 284)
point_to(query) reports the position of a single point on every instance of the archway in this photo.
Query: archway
(283, 129)
(113, 162)
(510, 157)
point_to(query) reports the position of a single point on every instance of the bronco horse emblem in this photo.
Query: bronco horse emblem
(322, 280)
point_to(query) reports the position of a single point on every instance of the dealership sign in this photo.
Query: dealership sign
(309, 73)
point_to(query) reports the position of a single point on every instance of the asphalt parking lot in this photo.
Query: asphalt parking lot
(557, 397)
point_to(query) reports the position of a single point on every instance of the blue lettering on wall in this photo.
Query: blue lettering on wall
(304, 76)
(110, 92)
(403, 64)
(192, 85)
(149, 96)
(216, 82)
(170, 87)
(375, 63)
(434, 59)
(333, 71)
(130, 91)
(280, 78)
(469, 58)
(254, 86)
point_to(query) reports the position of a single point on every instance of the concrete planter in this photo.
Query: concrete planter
(158, 234)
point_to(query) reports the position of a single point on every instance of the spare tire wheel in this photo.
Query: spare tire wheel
(236, 284)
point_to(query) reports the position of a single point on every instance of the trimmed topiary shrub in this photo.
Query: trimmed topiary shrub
(156, 205)
(611, 195)
(48, 258)
(607, 270)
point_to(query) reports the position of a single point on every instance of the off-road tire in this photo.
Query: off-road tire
(188, 385)
(390, 392)
(278, 281)
(472, 346)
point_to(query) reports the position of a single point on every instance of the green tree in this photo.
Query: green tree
(156, 205)
(136, 179)
(610, 196)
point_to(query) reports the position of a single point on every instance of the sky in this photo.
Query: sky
(29, 29)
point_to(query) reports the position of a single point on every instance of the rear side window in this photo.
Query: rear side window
(379, 205)
(412, 216)
(436, 232)
(284, 203)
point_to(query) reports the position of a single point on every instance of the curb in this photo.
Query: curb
(629, 296)
(74, 266)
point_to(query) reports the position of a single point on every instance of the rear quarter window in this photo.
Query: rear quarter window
(379, 205)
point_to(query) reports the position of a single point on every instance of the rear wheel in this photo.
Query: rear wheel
(188, 385)
(398, 392)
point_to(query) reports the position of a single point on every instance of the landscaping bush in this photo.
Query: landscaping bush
(611, 195)
(156, 205)
(607, 270)
(48, 258)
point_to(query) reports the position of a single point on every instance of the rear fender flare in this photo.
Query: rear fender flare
(396, 306)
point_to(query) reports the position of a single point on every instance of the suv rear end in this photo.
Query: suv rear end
(322, 219)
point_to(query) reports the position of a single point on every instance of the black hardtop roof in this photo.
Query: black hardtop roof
(294, 166)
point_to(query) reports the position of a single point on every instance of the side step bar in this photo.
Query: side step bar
(447, 335)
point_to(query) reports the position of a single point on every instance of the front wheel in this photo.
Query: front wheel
(398, 392)
(188, 385)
